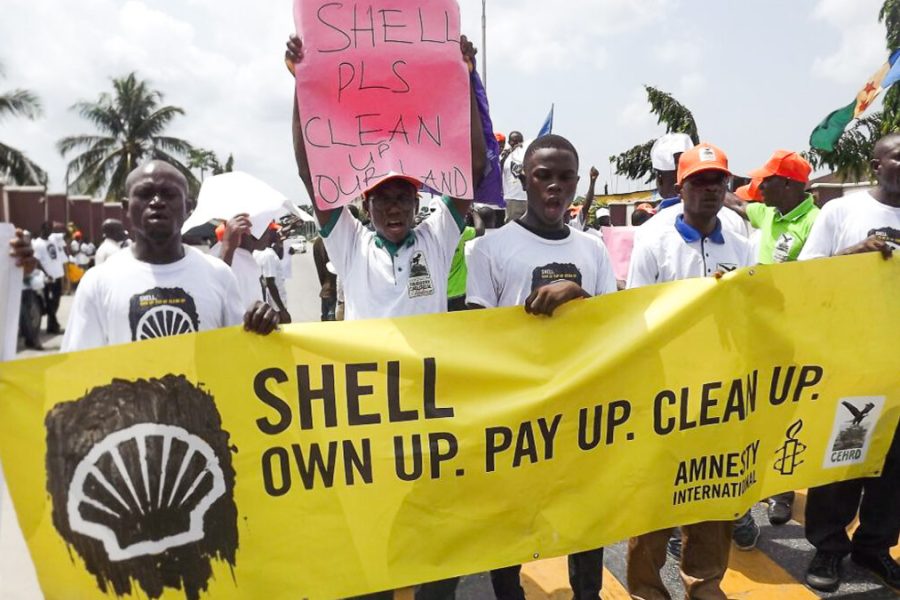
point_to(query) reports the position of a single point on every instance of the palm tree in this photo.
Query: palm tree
(635, 163)
(204, 160)
(15, 167)
(131, 123)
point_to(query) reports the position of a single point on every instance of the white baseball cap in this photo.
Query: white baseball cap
(663, 152)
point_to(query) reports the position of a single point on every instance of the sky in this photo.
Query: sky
(758, 75)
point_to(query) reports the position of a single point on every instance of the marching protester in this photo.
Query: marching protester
(511, 166)
(540, 263)
(785, 218)
(867, 221)
(158, 287)
(114, 239)
(695, 245)
(395, 269)
(272, 271)
(665, 155)
(50, 252)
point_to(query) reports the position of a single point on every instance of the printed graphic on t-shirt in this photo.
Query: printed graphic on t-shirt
(889, 235)
(51, 250)
(160, 312)
(782, 248)
(547, 274)
(726, 267)
(420, 283)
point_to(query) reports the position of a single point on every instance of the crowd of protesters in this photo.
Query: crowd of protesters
(401, 256)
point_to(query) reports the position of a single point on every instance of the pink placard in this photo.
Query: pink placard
(383, 90)
(619, 242)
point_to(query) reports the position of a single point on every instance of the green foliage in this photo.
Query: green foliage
(131, 122)
(635, 163)
(15, 167)
(850, 158)
(890, 16)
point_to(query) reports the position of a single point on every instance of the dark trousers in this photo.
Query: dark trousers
(329, 306)
(831, 508)
(30, 318)
(52, 294)
(585, 577)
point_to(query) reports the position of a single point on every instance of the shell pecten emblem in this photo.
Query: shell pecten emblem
(162, 508)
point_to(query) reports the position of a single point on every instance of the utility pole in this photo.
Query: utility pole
(484, 43)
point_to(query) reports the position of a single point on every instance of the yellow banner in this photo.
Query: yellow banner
(333, 459)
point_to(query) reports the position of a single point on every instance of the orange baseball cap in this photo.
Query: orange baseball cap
(704, 157)
(750, 192)
(500, 137)
(646, 207)
(787, 164)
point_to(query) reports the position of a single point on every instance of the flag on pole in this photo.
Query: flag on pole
(547, 127)
(829, 131)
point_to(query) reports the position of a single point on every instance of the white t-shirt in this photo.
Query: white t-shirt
(270, 266)
(125, 300)
(506, 267)
(248, 275)
(847, 221)
(107, 248)
(51, 253)
(668, 256)
(379, 283)
(512, 168)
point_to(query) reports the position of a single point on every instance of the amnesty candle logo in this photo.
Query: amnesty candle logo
(788, 455)
(851, 434)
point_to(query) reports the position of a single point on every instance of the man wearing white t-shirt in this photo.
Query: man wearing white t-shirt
(50, 251)
(511, 167)
(236, 250)
(158, 287)
(393, 269)
(695, 245)
(540, 263)
(866, 221)
(114, 240)
(272, 273)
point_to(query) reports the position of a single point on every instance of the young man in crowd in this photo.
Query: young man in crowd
(395, 269)
(665, 155)
(695, 245)
(272, 271)
(114, 240)
(511, 168)
(785, 218)
(50, 252)
(538, 262)
(158, 287)
(867, 221)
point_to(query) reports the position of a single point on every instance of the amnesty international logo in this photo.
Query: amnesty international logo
(789, 453)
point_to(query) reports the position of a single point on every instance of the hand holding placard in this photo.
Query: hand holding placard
(381, 91)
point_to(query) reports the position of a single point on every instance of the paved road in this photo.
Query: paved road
(772, 572)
